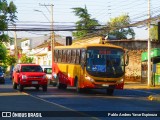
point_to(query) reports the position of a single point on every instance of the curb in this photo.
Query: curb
(139, 86)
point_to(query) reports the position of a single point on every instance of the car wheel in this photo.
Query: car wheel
(14, 85)
(37, 88)
(20, 87)
(45, 88)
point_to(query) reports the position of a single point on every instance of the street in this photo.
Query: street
(93, 102)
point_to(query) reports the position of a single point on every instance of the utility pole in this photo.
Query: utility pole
(52, 33)
(15, 45)
(149, 46)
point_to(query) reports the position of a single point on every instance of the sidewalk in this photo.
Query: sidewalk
(140, 86)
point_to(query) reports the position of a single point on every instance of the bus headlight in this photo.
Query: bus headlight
(89, 78)
(120, 81)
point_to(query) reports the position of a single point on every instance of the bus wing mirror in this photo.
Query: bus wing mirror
(83, 64)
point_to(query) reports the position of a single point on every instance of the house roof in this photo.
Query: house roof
(47, 43)
(43, 41)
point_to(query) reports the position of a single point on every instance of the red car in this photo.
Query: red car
(29, 75)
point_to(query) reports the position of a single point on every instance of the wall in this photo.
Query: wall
(135, 48)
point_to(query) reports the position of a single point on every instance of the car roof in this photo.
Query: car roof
(26, 64)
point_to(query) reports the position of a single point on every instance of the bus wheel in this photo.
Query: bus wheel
(59, 85)
(64, 86)
(110, 91)
(79, 90)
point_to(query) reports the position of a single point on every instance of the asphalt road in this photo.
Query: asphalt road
(93, 102)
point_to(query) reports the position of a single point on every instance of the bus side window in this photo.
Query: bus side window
(59, 55)
(69, 56)
(78, 56)
(64, 56)
(83, 58)
(73, 57)
(55, 55)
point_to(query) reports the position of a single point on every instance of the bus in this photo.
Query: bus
(90, 66)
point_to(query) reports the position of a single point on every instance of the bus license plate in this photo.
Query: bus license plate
(34, 82)
(105, 85)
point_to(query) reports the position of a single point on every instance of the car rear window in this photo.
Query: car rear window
(31, 69)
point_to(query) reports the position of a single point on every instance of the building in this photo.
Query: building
(39, 48)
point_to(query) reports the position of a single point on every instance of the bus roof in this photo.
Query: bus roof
(88, 42)
(88, 45)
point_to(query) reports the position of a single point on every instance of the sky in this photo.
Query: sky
(63, 16)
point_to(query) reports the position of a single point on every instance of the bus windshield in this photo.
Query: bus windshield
(105, 62)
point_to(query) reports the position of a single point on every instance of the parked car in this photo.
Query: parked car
(29, 75)
(2, 79)
(48, 70)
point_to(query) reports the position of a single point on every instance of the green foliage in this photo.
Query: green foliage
(10, 60)
(3, 52)
(4, 38)
(86, 25)
(118, 26)
(154, 33)
(7, 15)
(26, 59)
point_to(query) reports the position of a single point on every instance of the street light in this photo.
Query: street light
(43, 14)
(52, 34)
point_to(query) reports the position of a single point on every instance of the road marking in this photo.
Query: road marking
(11, 94)
(61, 106)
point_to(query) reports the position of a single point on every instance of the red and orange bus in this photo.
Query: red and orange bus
(89, 66)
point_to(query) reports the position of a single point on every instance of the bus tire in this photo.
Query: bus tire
(79, 90)
(59, 85)
(64, 86)
(110, 90)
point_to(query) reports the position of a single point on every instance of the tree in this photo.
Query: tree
(86, 25)
(26, 59)
(10, 60)
(7, 15)
(154, 33)
(3, 52)
(118, 26)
